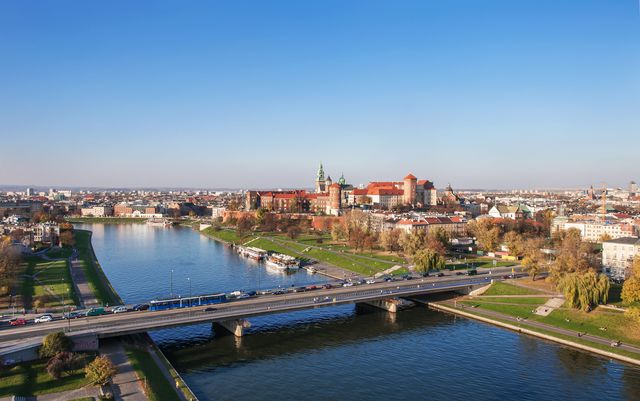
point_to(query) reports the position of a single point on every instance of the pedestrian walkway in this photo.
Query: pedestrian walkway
(126, 384)
(85, 294)
(388, 271)
(549, 306)
(88, 391)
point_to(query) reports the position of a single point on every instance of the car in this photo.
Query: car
(300, 289)
(43, 319)
(252, 293)
(17, 322)
(311, 287)
(471, 272)
(119, 309)
(459, 273)
(327, 286)
(140, 307)
(265, 292)
(347, 284)
(440, 274)
(72, 315)
(279, 292)
(210, 309)
(244, 296)
(407, 277)
(371, 281)
(388, 279)
(95, 312)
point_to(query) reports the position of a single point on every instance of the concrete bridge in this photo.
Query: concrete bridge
(232, 315)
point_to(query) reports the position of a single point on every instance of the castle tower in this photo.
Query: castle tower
(409, 187)
(320, 184)
(327, 183)
(335, 199)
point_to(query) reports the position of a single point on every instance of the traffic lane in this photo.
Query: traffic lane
(82, 323)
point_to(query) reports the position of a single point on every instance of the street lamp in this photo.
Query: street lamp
(189, 280)
(171, 285)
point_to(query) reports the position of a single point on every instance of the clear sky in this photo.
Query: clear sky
(478, 93)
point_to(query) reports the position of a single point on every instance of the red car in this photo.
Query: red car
(17, 322)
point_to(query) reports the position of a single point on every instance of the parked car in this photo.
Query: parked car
(95, 312)
(371, 281)
(140, 307)
(327, 286)
(72, 315)
(440, 274)
(119, 309)
(44, 318)
(210, 309)
(17, 322)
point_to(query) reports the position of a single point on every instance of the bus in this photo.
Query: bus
(198, 300)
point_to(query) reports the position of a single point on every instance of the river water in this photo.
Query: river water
(340, 353)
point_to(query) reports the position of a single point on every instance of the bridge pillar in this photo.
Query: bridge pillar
(474, 289)
(392, 305)
(235, 327)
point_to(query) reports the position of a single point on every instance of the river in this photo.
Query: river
(342, 352)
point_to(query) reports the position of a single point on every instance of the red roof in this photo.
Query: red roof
(410, 177)
(334, 185)
(360, 192)
(385, 191)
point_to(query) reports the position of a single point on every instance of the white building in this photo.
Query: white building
(618, 255)
(97, 211)
(594, 230)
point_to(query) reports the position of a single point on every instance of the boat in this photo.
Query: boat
(251, 252)
(282, 262)
(159, 222)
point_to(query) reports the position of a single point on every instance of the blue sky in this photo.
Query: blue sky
(500, 94)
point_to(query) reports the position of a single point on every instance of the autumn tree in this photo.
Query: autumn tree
(413, 242)
(534, 261)
(631, 286)
(66, 238)
(515, 243)
(10, 259)
(487, 234)
(390, 240)
(100, 371)
(294, 231)
(338, 232)
(572, 255)
(244, 225)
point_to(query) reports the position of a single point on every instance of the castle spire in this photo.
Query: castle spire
(320, 175)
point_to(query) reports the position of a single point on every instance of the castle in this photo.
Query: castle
(331, 197)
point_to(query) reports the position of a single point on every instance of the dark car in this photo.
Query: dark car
(300, 289)
(327, 286)
(72, 315)
(440, 274)
(279, 292)
(210, 309)
(140, 307)
(407, 277)
(387, 279)
(459, 273)
(251, 293)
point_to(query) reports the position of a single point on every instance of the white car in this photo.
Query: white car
(370, 281)
(348, 284)
(119, 309)
(43, 319)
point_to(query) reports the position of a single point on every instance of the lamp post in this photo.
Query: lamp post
(171, 284)
(189, 280)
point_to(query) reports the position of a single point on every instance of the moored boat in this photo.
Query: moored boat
(282, 262)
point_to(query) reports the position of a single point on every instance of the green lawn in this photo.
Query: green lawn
(31, 378)
(59, 253)
(92, 270)
(159, 388)
(48, 282)
(500, 288)
(225, 235)
(513, 310)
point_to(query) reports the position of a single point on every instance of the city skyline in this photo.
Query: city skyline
(491, 95)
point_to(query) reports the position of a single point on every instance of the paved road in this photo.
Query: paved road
(134, 322)
(126, 384)
(85, 294)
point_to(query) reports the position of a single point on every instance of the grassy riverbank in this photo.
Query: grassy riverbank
(98, 282)
(107, 220)
(601, 322)
(155, 383)
(338, 255)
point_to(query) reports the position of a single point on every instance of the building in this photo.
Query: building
(618, 255)
(97, 211)
(513, 212)
(595, 231)
(454, 226)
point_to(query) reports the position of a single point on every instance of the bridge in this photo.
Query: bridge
(232, 315)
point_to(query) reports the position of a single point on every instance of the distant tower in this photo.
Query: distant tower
(633, 188)
(409, 189)
(335, 199)
(320, 184)
(328, 182)
(342, 181)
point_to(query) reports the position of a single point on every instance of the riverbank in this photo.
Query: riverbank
(603, 332)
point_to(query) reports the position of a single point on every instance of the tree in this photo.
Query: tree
(573, 255)
(631, 286)
(515, 243)
(66, 238)
(425, 260)
(338, 232)
(633, 313)
(534, 260)
(487, 234)
(294, 231)
(100, 371)
(54, 343)
(390, 240)
(63, 362)
(10, 259)
(413, 242)
(245, 224)
(584, 290)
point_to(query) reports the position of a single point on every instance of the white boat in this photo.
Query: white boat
(282, 262)
(251, 252)
(159, 222)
